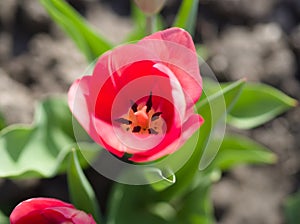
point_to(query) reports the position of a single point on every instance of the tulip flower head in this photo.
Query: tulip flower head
(140, 98)
(48, 211)
(150, 7)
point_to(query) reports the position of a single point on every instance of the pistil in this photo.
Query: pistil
(142, 118)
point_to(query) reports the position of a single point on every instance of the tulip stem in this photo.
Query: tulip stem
(150, 24)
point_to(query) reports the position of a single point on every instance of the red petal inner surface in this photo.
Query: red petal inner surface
(137, 71)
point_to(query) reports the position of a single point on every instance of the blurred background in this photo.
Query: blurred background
(256, 39)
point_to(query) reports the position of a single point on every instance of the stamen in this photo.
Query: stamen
(142, 118)
(134, 106)
(155, 116)
(123, 121)
(136, 129)
(149, 103)
(152, 131)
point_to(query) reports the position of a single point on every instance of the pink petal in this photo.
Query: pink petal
(176, 35)
(149, 155)
(31, 209)
(114, 61)
(64, 214)
(79, 102)
(188, 129)
(137, 81)
(175, 48)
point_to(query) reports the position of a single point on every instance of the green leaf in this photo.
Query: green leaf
(164, 210)
(39, 150)
(213, 107)
(167, 178)
(292, 208)
(202, 51)
(258, 104)
(133, 204)
(236, 150)
(196, 207)
(3, 218)
(81, 192)
(2, 122)
(86, 39)
(140, 204)
(187, 15)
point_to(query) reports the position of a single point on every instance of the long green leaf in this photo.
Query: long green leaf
(133, 204)
(187, 15)
(167, 178)
(140, 204)
(258, 104)
(202, 51)
(195, 206)
(215, 107)
(212, 107)
(3, 219)
(292, 209)
(86, 39)
(81, 192)
(39, 150)
(2, 121)
(236, 150)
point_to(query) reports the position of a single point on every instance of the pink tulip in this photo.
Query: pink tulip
(150, 7)
(140, 98)
(48, 211)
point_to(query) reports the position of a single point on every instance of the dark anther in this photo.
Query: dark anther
(152, 131)
(149, 103)
(155, 116)
(136, 129)
(134, 106)
(123, 121)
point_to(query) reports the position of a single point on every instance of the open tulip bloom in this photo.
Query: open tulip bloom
(140, 98)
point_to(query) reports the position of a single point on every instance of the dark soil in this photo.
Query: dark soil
(257, 39)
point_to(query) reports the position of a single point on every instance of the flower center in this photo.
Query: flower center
(142, 118)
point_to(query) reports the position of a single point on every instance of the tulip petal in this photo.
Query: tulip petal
(63, 214)
(79, 103)
(114, 61)
(48, 211)
(137, 81)
(176, 49)
(174, 34)
(29, 210)
(188, 129)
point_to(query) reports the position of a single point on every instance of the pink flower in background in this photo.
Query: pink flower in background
(150, 7)
(140, 98)
(48, 211)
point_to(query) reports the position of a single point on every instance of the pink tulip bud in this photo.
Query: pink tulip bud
(150, 7)
(46, 211)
